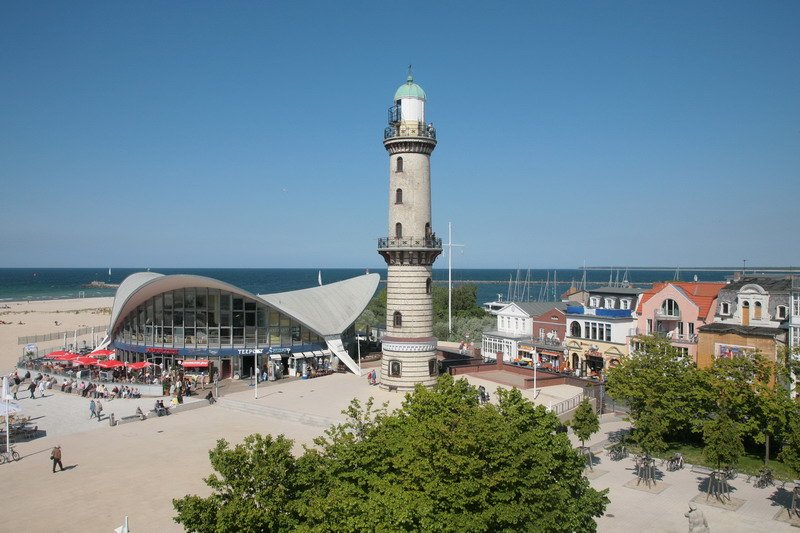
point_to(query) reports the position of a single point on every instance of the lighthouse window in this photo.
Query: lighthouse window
(428, 284)
(399, 167)
(398, 230)
(397, 319)
(394, 369)
(398, 196)
(432, 367)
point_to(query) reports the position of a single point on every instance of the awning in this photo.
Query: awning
(195, 364)
(113, 363)
(275, 356)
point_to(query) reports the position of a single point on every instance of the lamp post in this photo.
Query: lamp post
(535, 355)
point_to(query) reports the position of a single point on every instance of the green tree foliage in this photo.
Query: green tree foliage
(256, 483)
(585, 423)
(790, 453)
(374, 314)
(750, 391)
(464, 328)
(723, 441)
(663, 390)
(465, 302)
(439, 463)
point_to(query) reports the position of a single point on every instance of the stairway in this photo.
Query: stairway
(277, 413)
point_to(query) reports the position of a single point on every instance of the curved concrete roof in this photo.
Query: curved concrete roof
(327, 310)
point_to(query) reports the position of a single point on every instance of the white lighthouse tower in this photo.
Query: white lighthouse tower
(409, 348)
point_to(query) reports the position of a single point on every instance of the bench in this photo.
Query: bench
(699, 469)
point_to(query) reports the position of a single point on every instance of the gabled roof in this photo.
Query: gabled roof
(537, 308)
(702, 293)
(768, 283)
(632, 291)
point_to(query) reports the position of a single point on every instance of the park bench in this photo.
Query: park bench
(699, 469)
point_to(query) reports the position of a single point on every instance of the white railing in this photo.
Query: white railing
(566, 405)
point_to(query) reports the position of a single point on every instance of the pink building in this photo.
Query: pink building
(676, 310)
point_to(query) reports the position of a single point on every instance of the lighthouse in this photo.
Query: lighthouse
(411, 246)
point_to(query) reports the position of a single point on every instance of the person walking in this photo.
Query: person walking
(92, 409)
(32, 388)
(41, 387)
(55, 455)
(98, 407)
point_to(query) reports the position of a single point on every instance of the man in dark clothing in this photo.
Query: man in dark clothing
(55, 455)
(32, 388)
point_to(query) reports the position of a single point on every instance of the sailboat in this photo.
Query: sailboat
(319, 277)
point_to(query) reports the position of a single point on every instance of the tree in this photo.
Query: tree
(790, 454)
(441, 462)
(255, 486)
(585, 423)
(723, 441)
(751, 392)
(663, 390)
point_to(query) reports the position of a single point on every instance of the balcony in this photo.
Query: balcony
(667, 315)
(677, 338)
(396, 243)
(414, 129)
(599, 312)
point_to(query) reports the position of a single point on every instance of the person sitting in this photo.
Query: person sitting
(160, 409)
(210, 398)
(141, 414)
(64, 385)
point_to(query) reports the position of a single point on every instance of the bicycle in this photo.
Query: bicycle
(8, 456)
(730, 472)
(617, 451)
(764, 478)
(675, 462)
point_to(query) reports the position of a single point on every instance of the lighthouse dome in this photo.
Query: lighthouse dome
(409, 90)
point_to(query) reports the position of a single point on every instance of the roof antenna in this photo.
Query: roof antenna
(410, 78)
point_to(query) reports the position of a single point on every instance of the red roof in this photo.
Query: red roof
(702, 293)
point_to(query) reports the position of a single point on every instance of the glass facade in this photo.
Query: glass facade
(199, 318)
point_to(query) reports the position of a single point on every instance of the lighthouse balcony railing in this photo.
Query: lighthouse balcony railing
(410, 242)
(418, 129)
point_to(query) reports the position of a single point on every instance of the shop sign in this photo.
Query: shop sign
(167, 351)
(250, 351)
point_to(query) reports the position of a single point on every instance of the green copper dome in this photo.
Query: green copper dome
(409, 90)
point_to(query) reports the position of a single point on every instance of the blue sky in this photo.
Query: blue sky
(248, 134)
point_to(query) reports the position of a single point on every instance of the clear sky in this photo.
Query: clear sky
(249, 134)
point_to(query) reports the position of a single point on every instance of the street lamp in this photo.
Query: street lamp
(535, 355)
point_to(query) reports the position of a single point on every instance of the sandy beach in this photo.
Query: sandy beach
(39, 317)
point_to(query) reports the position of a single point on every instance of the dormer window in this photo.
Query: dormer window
(609, 303)
(724, 308)
(594, 301)
(780, 312)
(625, 303)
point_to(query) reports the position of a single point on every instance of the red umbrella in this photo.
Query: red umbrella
(101, 353)
(113, 363)
(85, 360)
(67, 357)
(140, 365)
(57, 353)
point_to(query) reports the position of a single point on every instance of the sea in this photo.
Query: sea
(18, 284)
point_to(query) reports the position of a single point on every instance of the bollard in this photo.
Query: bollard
(111, 421)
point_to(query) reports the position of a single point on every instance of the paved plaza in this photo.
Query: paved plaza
(137, 468)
